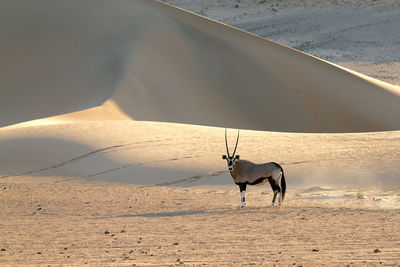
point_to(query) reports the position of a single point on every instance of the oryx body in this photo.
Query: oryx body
(248, 173)
(245, 173)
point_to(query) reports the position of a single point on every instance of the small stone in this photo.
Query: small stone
(113, 235)
(39, 252)
(377, 250)
(106, 232)
(175, 244)
(3, 249)
(65, 248)
(39, 209)
(123, 231)
(315, 250)
(236, 6)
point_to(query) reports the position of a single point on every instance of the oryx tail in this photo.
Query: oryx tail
(283, 184)
(282, 180)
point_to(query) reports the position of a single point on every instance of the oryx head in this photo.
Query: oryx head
(231, 159)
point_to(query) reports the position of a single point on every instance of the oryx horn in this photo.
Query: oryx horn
(226, 143)
(237, 141)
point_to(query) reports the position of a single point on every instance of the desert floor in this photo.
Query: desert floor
(45, 222)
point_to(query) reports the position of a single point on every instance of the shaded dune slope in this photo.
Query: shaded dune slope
(158, 63)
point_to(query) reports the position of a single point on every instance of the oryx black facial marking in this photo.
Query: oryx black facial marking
(246, 173)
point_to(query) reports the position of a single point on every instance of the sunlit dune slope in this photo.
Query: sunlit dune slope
(159, 63)
(176, 154)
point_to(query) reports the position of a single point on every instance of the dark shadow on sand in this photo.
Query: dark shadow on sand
(163, 214)
(155, 214)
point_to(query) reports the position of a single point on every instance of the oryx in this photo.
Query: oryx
(246, 173)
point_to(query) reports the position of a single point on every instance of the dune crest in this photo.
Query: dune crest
(108, 111)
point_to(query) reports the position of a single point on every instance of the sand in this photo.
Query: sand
(177, 205)
(358, 35)
(79, 223)
(156, 153)
(159, 63)
(337, 31)
(88, 183)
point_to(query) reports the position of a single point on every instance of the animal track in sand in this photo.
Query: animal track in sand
(105, 150)
(190, 179)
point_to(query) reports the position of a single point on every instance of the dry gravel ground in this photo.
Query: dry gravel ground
(361, 35)
(43, 222)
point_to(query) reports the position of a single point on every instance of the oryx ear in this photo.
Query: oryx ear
(237, 157)
(223, 156)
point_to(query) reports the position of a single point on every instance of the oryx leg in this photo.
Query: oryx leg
(280, 197)
(276, 189)
(274, 198)
(242, 187)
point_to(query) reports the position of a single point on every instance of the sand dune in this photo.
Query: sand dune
(127, 61)
(158, 63)
(184, 155)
